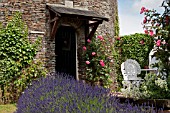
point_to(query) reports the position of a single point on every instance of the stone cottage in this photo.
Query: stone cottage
(65, 25)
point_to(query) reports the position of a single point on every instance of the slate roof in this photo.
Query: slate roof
(85, 14)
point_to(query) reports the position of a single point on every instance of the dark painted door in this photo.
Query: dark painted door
(65, 50)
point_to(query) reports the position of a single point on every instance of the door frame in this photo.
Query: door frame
(67, 25)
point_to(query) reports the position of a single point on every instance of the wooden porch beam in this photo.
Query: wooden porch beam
(91, 34)
(54, 19)
(54, 28)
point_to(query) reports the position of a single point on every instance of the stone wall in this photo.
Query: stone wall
(103, 7)
(36, 16)
(33, 13)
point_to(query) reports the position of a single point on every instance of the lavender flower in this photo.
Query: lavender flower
(59, 93)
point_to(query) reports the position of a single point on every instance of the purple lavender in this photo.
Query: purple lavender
(61, 94)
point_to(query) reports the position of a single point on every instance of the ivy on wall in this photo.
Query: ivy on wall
(116, 21)
(17, 67)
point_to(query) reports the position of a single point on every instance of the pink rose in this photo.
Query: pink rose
(151, 33)
(146, 10)
(87, 62)
(118, 38)
(100, 37)
(164, 42)
(146, 32)
(145, 20)
(142, 42)
(157, 25)
(93, 53)
(142, 10)
(88, 40)
(84, 48)
(102, 63)
(101, 60)
(158, 43)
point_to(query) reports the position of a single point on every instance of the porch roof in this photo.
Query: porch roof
(72, 12)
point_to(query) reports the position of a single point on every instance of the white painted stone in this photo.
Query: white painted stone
(69, 4)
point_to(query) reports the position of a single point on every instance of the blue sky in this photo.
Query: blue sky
(130, 18)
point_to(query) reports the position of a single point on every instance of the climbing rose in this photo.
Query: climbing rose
(145, 20)
(84, 48)
(151, 33)
(100, 37)
(102, 63)
(93, 53)
(88, 40)
(146, 32)
(146, 10)
(158, 43)
(164, 42)
(142, 10)
(87, 62)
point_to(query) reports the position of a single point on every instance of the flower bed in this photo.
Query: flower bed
(58, 94)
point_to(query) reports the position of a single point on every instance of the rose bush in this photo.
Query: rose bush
(97, 55)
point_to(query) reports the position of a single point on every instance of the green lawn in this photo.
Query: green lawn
(9, 108)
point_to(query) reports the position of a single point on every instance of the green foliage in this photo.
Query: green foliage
(16, 54)
(98, 61)
(116, 22)
(136, 46)
(153, 87)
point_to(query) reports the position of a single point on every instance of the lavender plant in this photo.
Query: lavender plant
(60, 94)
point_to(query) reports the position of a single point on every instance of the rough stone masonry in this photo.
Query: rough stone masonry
(36, 16)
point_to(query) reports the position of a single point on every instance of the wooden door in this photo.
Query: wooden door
(65, 50)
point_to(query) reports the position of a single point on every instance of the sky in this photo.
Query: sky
(130, 18)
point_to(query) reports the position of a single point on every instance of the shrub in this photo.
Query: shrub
(97, 56)
(16, 58)
(136, 46)
(155, 88)
(152, 87)
(58, 93)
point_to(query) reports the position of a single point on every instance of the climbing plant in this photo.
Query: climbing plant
(17, 57)
(159, 27)
(116, 22)
(97, 56)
